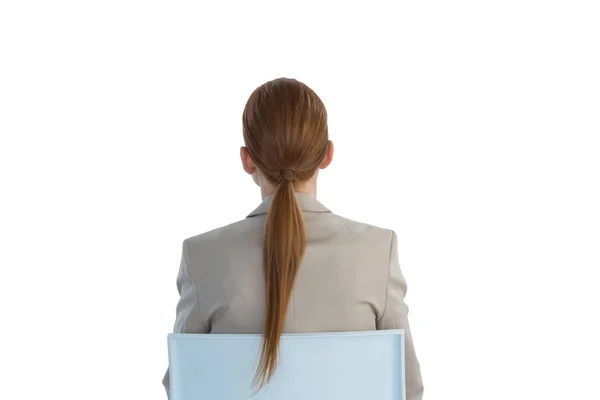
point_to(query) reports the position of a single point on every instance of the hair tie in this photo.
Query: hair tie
(286, 175)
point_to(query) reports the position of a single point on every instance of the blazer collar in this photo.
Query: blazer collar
(307, 203)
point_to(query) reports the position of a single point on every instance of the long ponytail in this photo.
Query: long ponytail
(284, 244)
(285, 133)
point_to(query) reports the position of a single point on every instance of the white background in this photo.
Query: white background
(469, 127)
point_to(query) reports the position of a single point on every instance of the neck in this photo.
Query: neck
(308, 187)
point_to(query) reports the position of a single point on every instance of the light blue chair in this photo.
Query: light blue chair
(331, 366)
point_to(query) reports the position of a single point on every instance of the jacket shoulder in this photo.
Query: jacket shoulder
(230, 232)
(363, 228)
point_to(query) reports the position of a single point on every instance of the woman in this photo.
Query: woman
(291, 265)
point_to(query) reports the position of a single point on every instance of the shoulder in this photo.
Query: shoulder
(364, 229)
(364, 236)
(238, 231)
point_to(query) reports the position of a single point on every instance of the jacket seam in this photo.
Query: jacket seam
(189, 258)
(389, 274)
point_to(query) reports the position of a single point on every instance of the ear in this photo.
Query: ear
(328, 156)
(247, 162)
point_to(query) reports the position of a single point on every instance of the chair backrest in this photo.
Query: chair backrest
(346, 365)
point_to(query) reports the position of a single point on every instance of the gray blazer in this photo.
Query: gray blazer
(349, 280)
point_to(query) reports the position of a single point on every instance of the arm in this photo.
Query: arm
(395, 316)
(188, 319)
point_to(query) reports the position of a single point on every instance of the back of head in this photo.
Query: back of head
(285, 133)
(285, 129)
